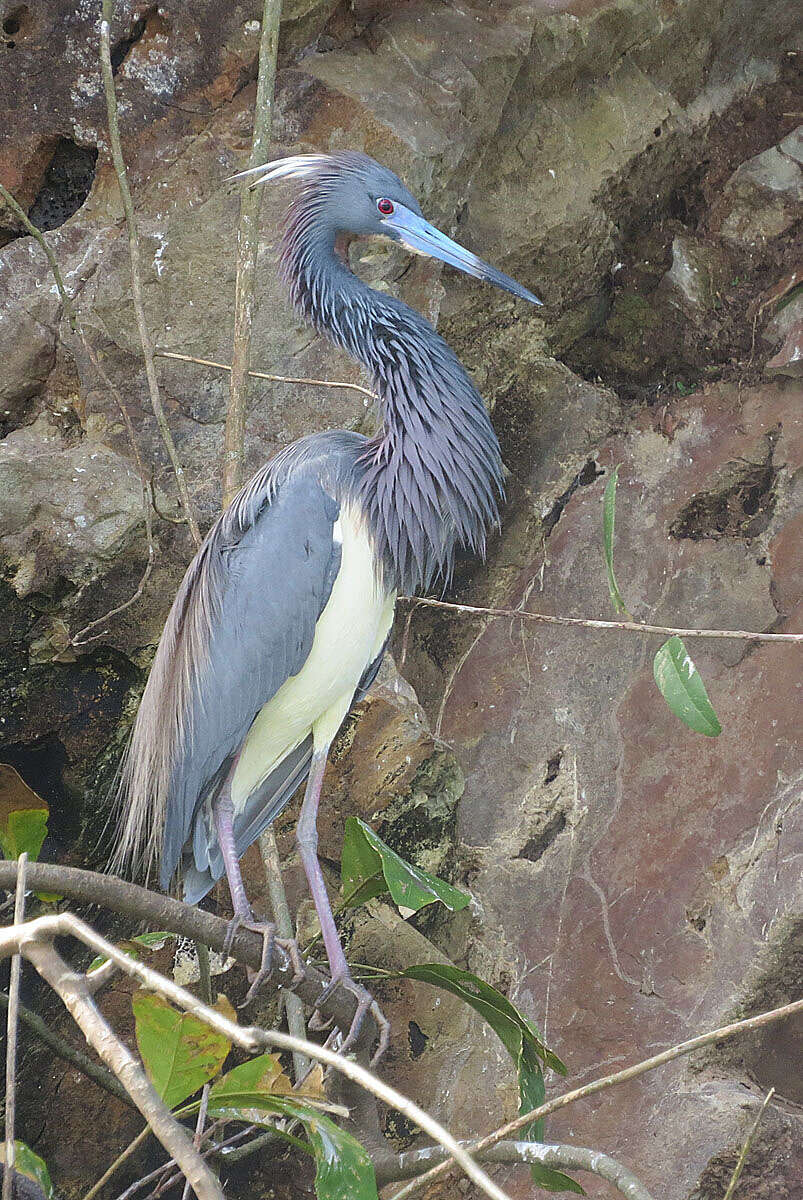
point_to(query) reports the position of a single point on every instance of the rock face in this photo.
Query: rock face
(638, 166)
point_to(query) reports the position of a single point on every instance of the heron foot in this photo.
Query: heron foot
(287, 947)
(365, 1004)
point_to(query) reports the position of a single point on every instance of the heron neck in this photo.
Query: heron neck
(431, 480)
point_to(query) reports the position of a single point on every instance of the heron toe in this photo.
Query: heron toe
(287, 947)
(365, 1004)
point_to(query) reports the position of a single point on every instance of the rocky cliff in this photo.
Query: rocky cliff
(638, 164)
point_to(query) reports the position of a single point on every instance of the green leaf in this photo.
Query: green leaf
(522, 1042)
(131, 947)
(24, 830)
(31, 1166)
(680, 685)
(365, 855)
(343, 1169)
(180, 1052)
(608, 520)
(360, 867)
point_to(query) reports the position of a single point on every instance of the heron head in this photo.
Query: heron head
(351, 193)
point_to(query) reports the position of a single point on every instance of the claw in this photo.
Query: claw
(365, 1004)
(287, 947)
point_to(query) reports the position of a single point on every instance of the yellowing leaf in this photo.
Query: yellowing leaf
(180, 1052)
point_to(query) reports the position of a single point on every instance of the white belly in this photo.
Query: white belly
(350, 632)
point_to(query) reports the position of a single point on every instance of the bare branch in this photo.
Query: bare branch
(12, 1026)
(293, 1005)
(136, 284)
(163, 912)
(36, 944)
(586, 623)
(68, 1053)
(122, 1158)
(35, 941)
(598, 1085)
(247, 246)
(567, 1158)
(208, 362)
(748, 1142)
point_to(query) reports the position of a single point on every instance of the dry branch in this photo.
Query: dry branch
(599, 1085)
(587, 623)
(568, 1158)
(208, 362)
(35, 942)
(247, 247)
(68, 1053)
(163, 912)
(136, 283)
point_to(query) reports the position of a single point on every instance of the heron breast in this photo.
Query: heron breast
(349, 634)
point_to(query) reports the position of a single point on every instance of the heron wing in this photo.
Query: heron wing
(203, 860)
(242, 623)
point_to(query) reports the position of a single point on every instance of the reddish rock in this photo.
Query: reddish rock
(634, 873)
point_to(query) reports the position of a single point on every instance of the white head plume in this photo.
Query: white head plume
(296, 166)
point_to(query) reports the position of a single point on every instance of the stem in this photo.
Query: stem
(247, 248)
(69, 1054)
(585, 623)
(118, 1162)
(208, 362)
(136, 284)
(748, 1142)
(294, 1006)
(571, 1158)
(11, 1037)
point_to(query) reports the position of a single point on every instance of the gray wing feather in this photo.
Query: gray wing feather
(243, 621)
(204, 866)
(273, 585)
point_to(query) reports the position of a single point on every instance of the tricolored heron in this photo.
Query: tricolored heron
(284, 613)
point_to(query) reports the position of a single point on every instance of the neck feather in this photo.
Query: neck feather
(431, 479)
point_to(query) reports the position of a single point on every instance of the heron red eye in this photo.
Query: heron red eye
(385, 207)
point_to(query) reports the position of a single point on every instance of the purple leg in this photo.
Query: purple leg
(223, 811)
(224, 824)
(307, 838)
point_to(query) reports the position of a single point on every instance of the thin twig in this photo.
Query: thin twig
(585, 623)
(136, 284)
(70, 1054)
(569, 1158)
(748, 1142)
(247, 247)
(598, 1085)
(199, 1129)
(208, 362)
(79, 639)
(36, 942)
(293, 1005)
(12, 1026)
(37, 945)
(122, 1158)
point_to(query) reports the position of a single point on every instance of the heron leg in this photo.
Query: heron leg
(223, 810)
(307, 839)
